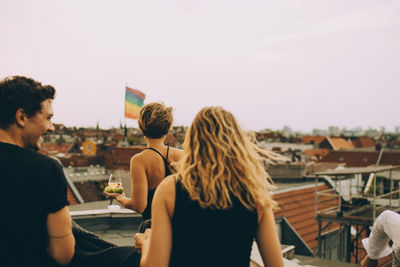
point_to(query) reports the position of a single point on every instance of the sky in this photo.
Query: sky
(307, 64)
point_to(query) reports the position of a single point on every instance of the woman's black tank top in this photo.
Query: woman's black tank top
(209, 237)
(150, 192)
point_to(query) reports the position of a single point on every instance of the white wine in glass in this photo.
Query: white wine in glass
(114, 184)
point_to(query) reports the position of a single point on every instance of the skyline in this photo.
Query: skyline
(305, 64)
(330, 131)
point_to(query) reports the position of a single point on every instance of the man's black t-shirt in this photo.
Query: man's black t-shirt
(32, 186)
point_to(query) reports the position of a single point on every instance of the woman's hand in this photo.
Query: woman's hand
(118, 197)
(140, 239)
(114, 195)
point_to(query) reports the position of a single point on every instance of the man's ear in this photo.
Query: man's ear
(20, 117)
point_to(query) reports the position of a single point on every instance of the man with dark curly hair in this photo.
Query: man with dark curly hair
(35, 223)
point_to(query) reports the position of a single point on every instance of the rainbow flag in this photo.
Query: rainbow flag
(133, 102)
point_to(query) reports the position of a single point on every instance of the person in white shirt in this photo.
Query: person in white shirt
(385, 228)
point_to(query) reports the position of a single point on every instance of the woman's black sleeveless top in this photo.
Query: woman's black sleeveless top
(150, 193)
(209, 237)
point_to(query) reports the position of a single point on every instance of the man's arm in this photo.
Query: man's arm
(61, 245)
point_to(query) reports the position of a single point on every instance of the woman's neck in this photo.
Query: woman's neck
(156, 143)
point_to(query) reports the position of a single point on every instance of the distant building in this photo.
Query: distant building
(287, 130)
(334, 131)
(357, 131)
(319, 132)
(119, 157)
(268, 136)
(285, 171)
(283, 147)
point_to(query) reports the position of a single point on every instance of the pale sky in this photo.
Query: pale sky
(302, 63)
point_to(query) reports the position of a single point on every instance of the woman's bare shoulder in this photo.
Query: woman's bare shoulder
(168, 182)
(165, 193)
(138, 157)
(166, 188)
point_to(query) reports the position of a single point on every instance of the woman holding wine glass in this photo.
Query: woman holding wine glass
(149, 167)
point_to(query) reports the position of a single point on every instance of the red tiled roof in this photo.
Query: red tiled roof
(297, 206)
(79, 160)
(89, 191)
(316, 139)
(71, 197)
(339, 143)
(119, 137)
(352, 158)
(362, 158)
(364, 141)
(317, 153)
(267, 135)
(51, 149)
(390, 158)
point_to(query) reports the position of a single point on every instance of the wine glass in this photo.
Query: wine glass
(115, 181)
(114, 185)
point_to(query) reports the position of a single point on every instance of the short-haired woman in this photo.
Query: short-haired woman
(210, 211)
(149, 167)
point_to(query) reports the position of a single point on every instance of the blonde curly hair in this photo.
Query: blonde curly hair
(220, 161)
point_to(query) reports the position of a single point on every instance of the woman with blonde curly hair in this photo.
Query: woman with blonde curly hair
(149, 167)
(210, 211)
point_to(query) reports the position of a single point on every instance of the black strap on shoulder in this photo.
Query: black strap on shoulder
(168, 165)
(155, 150)
(171, 168)
(166, 156)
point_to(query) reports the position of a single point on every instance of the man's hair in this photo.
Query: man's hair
(21, 92)
(155, 120)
